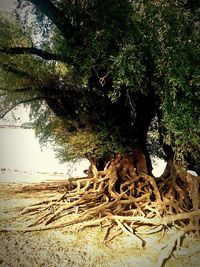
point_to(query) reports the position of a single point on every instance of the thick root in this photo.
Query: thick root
(122, 198)
(117, 196)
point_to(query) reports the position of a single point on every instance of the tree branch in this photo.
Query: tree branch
(17, 90)
(13, 69)
(31, 50)
(56, 16)
(19, 103)
(22, 90)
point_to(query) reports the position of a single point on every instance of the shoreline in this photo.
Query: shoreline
(18, 176)
(72, 248)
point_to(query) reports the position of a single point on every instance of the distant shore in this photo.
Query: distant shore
(19, 176)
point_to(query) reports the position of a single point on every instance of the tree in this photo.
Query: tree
(99, 75)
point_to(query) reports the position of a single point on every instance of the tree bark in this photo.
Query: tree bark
(57, 16)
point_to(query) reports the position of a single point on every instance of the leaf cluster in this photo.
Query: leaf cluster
(119, 50)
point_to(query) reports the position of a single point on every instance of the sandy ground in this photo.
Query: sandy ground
(84, 248)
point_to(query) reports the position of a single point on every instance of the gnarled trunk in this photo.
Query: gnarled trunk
(136, 163)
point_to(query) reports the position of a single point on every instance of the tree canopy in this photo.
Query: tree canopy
(111, 80)
(100, 75)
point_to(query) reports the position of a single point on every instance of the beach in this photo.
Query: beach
(71, 247)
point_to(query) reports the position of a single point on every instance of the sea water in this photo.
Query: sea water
(23, 160)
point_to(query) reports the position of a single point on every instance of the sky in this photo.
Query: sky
(19, 148)
(17, 116)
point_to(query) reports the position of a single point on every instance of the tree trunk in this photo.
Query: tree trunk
(145, 107)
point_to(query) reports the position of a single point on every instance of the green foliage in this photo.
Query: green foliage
(68, 142)
(119, 51)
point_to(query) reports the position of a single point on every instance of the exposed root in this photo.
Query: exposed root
(126, 229)
(118, 197)
(168, 249)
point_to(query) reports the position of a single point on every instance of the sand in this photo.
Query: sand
(69, 247)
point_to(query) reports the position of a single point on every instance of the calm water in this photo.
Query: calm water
(22, 156)
(24, 160)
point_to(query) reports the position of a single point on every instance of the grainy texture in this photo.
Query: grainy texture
(81, 248)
